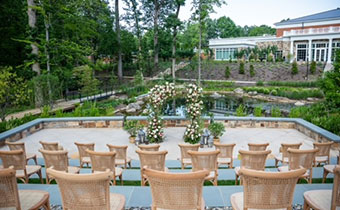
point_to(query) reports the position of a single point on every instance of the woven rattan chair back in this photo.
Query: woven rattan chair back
(258, 147)
(102, 160)
(151, 147)
(269, 190)
(187, 147)
(121, 151)
(82, 147)
(336, 189)
(9, 189)
(204, 160)
(152, 159)
(16, 146)
(324, 148)
(83, 191)
(58, 159)
(54, 146)
(284, 149)
(226, 150)
(255, 160)
(15, 158)
(301, 158)
(176, 191)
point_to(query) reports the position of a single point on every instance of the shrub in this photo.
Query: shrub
(241, 70)
(274, 93)
(258, 111)
(293, 83)
(275, 112)
(266, 91)
(259, 83)
(270, 58)
(251, 70)
(227, 72)
(295, 69)
(216, 129)
(241, 111)
(59, 113)
(131, 127)
(313, 67)
(45, 112)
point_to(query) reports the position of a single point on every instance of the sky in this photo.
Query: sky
(258, 12)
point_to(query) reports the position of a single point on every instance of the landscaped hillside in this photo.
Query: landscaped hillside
(279, 71)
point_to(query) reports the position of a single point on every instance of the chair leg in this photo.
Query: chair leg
(215, 181)
(47, 179)
(236, 180)
(121, 179)
(325, 173)
(182, 165)
(130, 164)
(305, 205)
(35, 160)
(276, 162)
(47, 205)
(40, 176)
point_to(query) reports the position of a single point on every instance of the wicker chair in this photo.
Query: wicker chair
(257, 146)
(266, 190)
(324, 154)
(59, 161)
(226, 154)
(11, 197)
(255, 160)
(176, 191)
(21, 146)
(101, 161)
(54, 146)
(301, 158)
(153, 160)
(151, 147)
(17, 159)
(324, 199)
(121, 155)
(87, 191)
(84, 157)
(283, 157)
(206, 161)
(185, 157)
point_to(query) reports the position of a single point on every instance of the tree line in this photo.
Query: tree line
(61, 44)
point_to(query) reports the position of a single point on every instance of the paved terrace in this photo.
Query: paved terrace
(174, 136)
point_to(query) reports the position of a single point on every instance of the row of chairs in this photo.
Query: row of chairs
(261, 190)
(255, 158)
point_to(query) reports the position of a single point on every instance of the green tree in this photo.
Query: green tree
(295, 69)
(330, 84)
(13, 91)
(313, 67)
(227, 72)
(89, 84)
(241, 69)
(251, 70)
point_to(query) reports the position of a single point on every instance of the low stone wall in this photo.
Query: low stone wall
(309, 129)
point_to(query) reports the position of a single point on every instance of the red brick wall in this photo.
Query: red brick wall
(279, 31)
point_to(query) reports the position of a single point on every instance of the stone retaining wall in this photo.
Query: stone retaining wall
(314, 132)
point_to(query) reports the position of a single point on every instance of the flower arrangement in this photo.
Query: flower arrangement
(155, 131)
(194, 101)
(193, 132)
(157, 96)
(132, 127)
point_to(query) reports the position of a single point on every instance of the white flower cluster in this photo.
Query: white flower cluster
(155, 130)
(193, 132)
(194, 93)
(160, 93)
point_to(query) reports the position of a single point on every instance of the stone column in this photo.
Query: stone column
(310, 50)
(329, 51)
(291, 51)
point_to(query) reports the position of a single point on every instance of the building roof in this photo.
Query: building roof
(322, 16)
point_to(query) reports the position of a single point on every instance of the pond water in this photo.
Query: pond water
(225, 105)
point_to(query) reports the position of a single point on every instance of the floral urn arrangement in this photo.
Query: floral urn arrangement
(132, 126)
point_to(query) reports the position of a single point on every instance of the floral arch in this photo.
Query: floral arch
(158, 95)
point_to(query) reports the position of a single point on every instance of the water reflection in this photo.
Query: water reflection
(226, 105)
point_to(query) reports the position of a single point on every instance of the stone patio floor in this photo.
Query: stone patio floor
(103, 136)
